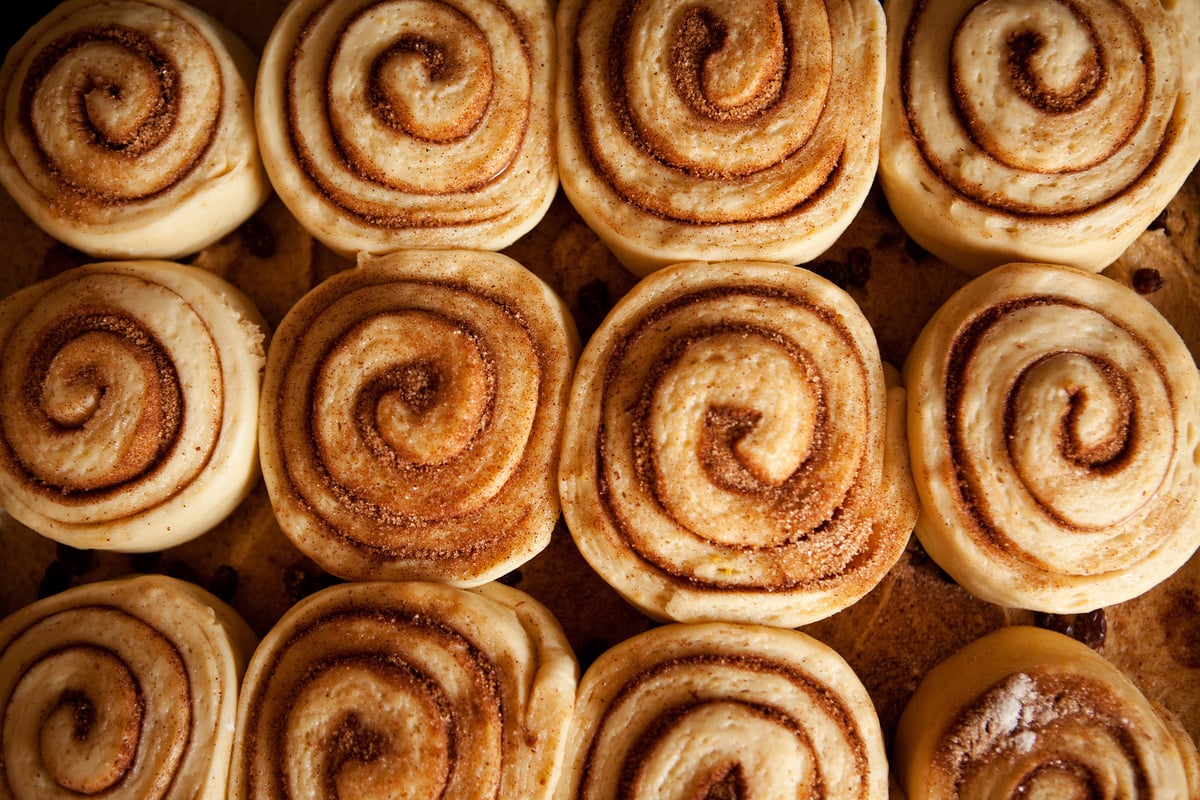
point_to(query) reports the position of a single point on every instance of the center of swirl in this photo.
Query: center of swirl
(1036, 87)
(97, 372)
(125, 90)
(708, 70)
(725, 782)
(368, 727)
(91, 723)
(738, 410)
(416, 387)
(429, 89)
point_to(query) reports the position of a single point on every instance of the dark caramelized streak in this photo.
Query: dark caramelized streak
(1023, 46)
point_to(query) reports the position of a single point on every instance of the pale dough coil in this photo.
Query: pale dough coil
(733, 450)
(1017, 131)
(130, 397)
(411, 415)
(406, 690)
(389, 124)
(1054, 424)
(1029, 713)
(709, 710)
(125, 689)
(718, 130)
(129, 129)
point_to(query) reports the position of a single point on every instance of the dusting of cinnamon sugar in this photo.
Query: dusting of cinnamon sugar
(1024, 713)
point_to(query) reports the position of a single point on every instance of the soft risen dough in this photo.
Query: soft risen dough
(180, 167)
(411, 415)
(1026, 712)
(733, 449)
(71, 664)
(985, 163)
(1054, 424)
(419, 124)
(686, 710)
(424, 690)
(130, 393)
(718, 131)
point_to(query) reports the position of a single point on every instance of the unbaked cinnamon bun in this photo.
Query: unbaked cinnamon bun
(128, 128)
(124, 689)
(406, 690)
(718, 130)
(1029, 713)
(411, 415)
(130, 396)
(723, 710)
(1038, 131)
(733, 449)
(1054, 424)
(389, 124)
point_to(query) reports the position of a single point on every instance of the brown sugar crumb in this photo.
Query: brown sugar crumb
(851, 273)
(1148, 281)
(55, 579)
(224, 582)
(258, 238)
(1181, 621)
(1090, 629)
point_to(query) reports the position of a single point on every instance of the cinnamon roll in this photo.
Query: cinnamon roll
(1054, 419)
(719, 130)
(129, 393)
(1026, 712)
(723, 710)
(411, 415)
(733, 450)
(389, 124)
(1038, 132)
(406, 689)
(128, 129)
(124, 689)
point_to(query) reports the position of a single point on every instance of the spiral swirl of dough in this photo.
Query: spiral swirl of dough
(719, 130)
(389, 124)
(125, 689)
(732, 450)
(129, 393)
(1030, 713)
(411, 414)
(128, 128)
(723, 710)
(1055, 418)
(1053, 131)
(406, 690)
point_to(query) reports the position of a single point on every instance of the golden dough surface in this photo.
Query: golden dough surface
(891, 637)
